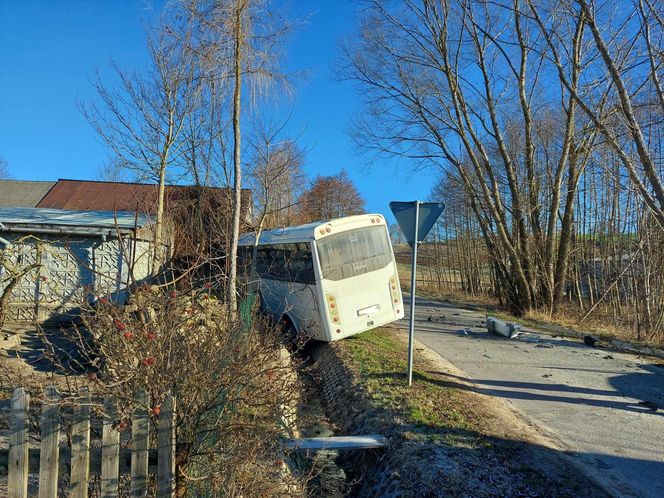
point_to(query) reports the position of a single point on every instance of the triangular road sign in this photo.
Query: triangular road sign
(404, 212)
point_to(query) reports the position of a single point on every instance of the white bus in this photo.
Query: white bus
(327, 280)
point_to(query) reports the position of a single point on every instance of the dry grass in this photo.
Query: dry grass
(601, 323)
(568, 320)
(430, 405)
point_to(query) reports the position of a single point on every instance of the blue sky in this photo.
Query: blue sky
(50, 49)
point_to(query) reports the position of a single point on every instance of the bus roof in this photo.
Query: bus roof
(310, 231)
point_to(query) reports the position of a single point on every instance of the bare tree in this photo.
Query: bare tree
(547, 117)
(464, 85)
(236, 42)
(112, 170)
(142, 117)
(330, 197)
(627, 66)
(275, 177)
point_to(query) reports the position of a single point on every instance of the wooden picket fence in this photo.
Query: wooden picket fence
(80, 461)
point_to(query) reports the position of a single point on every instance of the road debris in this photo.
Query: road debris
(590, 340)
(527, 337)
(501, 327)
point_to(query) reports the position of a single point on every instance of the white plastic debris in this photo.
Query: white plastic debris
(526, 337)
(501, 327)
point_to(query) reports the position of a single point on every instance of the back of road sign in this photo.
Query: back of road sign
(404, 212)
(415, 220)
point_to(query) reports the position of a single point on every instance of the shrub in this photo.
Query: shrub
(232, 382)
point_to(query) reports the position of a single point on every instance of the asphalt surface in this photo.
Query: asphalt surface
(596, 402)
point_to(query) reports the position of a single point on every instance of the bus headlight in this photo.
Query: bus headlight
(332, 308)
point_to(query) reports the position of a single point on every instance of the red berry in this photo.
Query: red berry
(128, 335)
(278, 463)
(103, 300)
(156, 410)
(148, 361)
(151, 336)
(173, 294)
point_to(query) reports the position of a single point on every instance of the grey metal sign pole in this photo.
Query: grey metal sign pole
(413, 279)
(415, 219)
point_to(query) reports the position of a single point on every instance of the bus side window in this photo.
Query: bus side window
(301, 264)
(277, 259)
(263, 261)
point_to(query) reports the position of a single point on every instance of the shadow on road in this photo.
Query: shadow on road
(465, 451)
(540, 391)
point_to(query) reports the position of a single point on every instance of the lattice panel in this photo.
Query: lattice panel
(108, 267)
(63, 276)
(21, 313)
(22, 301)
(69, 275)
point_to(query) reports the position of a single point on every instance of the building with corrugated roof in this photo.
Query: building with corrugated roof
(199, 216)
(70, 231)
(55, 261)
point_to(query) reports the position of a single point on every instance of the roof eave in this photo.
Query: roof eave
(66, 230)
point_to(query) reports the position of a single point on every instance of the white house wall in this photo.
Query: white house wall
(72, 273)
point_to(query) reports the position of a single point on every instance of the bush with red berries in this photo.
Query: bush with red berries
(231, 381)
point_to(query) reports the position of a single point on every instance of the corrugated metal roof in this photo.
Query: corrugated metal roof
(100, 196)
(22, 193)
(60, 217)
(122, 196)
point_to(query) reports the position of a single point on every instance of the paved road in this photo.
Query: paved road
(588, 398)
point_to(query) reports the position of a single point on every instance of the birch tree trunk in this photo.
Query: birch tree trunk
(231, 291)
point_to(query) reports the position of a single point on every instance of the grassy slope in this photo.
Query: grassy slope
(455, 439)
(382, 365)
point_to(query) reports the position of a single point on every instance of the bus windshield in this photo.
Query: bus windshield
(354, 252)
